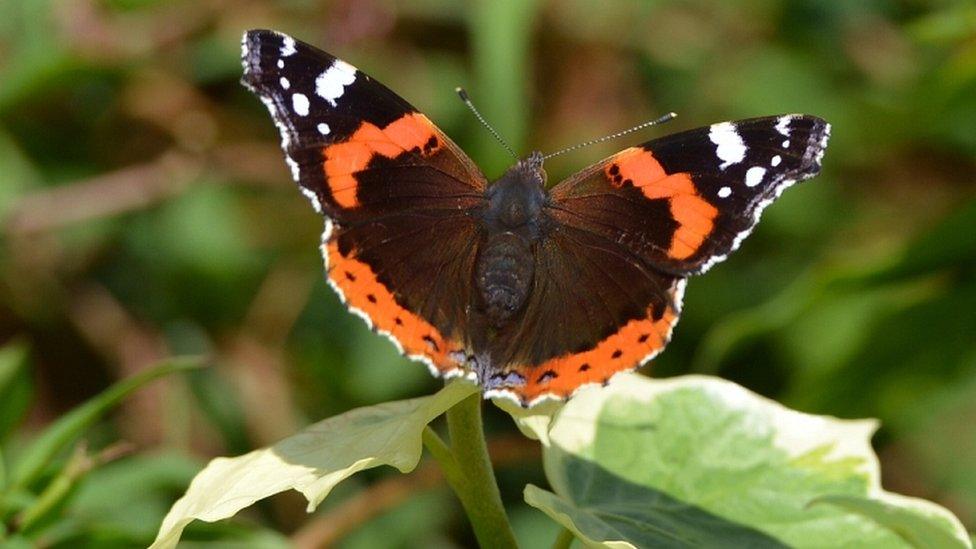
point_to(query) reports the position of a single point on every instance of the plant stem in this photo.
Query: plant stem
(468, 445)
(449, 466)
(467, 468)
(563, 540)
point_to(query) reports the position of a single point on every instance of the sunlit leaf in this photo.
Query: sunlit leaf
(701, 461)
(920, 523)
(312, 461)
(533, 422)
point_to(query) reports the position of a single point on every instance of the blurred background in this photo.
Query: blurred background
(146, 212)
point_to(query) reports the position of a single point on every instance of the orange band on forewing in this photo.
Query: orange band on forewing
(621, 351)
(411, 132)
(696, 220)
(636, 167)
(694, 215)
(363, 291)
(342, 161)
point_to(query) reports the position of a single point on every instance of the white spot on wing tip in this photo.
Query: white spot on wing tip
(724, 192)
(285, 84)
(344, 67)
(729, 145)
(775, 161)
(324, 128)
(300, 104)
(331, 84)
(783, 125)
(754, 176)
(756, 214)
(287, 45)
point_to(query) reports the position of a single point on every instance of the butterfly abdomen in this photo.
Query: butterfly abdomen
(504, 276)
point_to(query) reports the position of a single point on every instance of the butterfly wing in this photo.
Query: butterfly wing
(629, 229)
(391, 185)
(598, 310)
(683, 202)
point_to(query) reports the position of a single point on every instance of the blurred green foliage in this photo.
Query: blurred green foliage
(146, 212)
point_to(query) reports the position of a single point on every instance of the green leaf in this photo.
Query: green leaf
(129, 497)
(918, 522)
(66, 430)
(313, 461)
(700, 461)
(642, 518)
(534, 422)
(15, 387)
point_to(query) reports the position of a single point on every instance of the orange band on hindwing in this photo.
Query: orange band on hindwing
(636, 341)
(694, 216)
(412, 133)
(360, 289)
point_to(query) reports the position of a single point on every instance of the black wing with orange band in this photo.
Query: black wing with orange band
(388, 182)
(685, 201)
(629, 230)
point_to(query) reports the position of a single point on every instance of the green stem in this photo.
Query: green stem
(468, 471)
(468, 445)
(563, 540)
(449, 466)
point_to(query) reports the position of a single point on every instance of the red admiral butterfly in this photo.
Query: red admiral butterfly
(532, 291)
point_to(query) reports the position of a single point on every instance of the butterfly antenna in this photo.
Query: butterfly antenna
(467, 101)
(654, 122)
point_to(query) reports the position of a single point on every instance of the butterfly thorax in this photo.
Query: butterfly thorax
(512, 223)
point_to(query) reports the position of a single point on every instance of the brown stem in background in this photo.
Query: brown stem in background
(103, 195)
(131, 346)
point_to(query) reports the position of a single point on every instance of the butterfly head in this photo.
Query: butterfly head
(516, 198)
(532, 164)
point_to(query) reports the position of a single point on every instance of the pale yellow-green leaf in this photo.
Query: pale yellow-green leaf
(590, 530)
(534, 421)
(312, 461)
(699, 461)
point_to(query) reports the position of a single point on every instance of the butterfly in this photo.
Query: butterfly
(532, 291)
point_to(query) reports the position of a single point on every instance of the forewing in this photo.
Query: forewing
(685, 201)
(397, 193)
